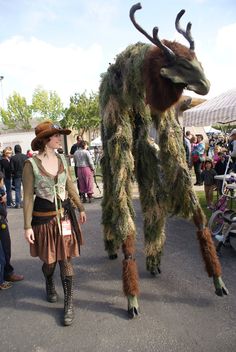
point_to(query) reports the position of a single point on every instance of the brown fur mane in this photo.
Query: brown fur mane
(161, 93)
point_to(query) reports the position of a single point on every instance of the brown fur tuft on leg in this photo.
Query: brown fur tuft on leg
(128, 247)
(199, 218)
(209, 255)
(130, 271)
(130, 277)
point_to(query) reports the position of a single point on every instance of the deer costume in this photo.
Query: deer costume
(138, 92)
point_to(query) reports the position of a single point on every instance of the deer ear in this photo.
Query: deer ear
(172, 74)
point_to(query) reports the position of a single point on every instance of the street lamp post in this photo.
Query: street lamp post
(1, 78)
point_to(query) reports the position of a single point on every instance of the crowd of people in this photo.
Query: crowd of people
(209, 158)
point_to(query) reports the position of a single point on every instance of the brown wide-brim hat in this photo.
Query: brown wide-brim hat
(44, 130)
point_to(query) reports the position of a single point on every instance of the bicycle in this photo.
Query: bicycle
(222, 222)
(216, 221)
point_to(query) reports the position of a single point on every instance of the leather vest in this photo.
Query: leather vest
(45, 186)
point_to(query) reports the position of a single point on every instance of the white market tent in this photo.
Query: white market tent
(97, 142)
(221, 109)
(209, 129)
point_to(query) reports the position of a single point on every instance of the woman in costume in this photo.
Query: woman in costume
(51, 232)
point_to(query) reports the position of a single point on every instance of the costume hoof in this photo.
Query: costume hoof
(221, 292)
(113, 256)
(133, 312)
(156, 271)
(220, 287)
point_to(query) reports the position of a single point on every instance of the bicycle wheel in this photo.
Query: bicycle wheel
(216, 222)
(98, 186)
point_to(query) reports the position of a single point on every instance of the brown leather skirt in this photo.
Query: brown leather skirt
(50, 246)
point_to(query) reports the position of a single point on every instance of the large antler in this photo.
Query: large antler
(154, 39)
(187, 33)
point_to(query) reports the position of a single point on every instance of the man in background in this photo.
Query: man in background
(17, 164)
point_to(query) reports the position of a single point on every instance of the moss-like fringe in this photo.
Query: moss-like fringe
(130, 277)
(212, 264)
(153, 262)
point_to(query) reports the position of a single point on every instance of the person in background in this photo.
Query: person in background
(73, 149)
(76, 146)
(17, 164)
(187, 147)
(29, 153)
(85, 167)
(6, 169)
(207, 177)
(198, 153)
(232, 147)
(4, 285)
(211, 148)
(215, 157)
(220, 168)
(53, 234)
(9, 274)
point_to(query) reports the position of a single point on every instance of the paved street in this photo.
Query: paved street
(179, 310)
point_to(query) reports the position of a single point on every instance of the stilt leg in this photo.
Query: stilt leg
(130, 277)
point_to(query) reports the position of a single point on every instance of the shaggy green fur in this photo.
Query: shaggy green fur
(120, 89)
(163, 177)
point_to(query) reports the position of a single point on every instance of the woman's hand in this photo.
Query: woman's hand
(29, 236)
(82, 217)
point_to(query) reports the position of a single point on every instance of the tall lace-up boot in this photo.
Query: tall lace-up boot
(67, 283)
(48, 270)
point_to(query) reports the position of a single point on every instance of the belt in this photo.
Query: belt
(47, 213)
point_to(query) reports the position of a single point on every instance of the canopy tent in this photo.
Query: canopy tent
(97, 142)
(209, 129)
(221, 109)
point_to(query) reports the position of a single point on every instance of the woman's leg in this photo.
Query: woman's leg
(82, 185)
(67, 273)
(48, 271)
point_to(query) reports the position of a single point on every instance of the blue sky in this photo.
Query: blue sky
(64, 45)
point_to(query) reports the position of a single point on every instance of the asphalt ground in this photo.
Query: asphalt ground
(179, 310)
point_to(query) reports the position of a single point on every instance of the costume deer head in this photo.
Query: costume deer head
(170, 67)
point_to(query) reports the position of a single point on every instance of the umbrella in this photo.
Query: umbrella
(220, 109)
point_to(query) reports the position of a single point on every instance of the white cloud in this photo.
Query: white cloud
(220, 61)
(226, 38)
(26, 64)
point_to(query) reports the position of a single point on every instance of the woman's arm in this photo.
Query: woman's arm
(28, 200)
(73, 195)
(90, 160)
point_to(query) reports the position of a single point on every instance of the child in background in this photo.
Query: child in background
(216, 157)
(220, 168)
(9, 274)
(207, 177)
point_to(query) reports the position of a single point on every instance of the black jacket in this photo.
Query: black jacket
(17, 162)
(5, 168)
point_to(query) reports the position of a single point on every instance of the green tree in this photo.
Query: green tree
(83, 112)
(18, 114)
(47, 105)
